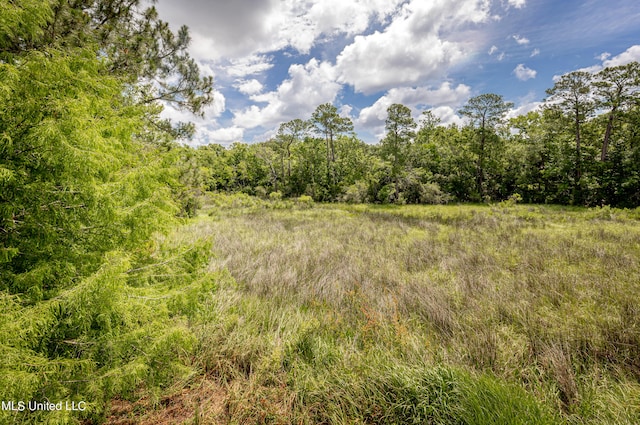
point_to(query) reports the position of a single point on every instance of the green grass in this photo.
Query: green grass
(425, 314)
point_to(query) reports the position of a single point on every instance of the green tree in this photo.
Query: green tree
(290, 133)
(616, 88)
(72, 172)
(309, 174)
(394, 148)
(571, 95)
(484, 112)
(328, 123)
(215, 167)
(428, 124)
(130, 38)
(79, 175)
(272, 155)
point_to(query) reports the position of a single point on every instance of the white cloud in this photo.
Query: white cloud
(348, 17)
(521, 40)
(447, 115)
(372, 118)
(535, 53)
(249, 65)
(525, 105)
(221, 28)
(493, 50)
(249, 87)
(345, 111)
(222, 136)
(233, 29)
(518, 4)
(524, 109)
(523, 73)
(418, 46)
(307, 87)
(632, 54)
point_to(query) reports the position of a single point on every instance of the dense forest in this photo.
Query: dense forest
(130, 262)
(581, 147)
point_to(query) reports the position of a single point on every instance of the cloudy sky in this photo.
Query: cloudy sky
(276, 60)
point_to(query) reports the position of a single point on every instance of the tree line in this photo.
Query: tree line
(581, 147)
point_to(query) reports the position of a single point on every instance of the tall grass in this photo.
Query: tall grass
(442, 314)
(286, 312)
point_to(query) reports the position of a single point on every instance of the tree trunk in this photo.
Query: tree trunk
(578, 151)
(607, 135)
(480, 165)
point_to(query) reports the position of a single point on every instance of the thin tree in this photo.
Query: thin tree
(571, 94)
(400, 127)
(616, 88)
(289, 133)
(484, 112)
(330, 124)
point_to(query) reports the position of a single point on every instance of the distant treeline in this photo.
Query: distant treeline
(582, 147)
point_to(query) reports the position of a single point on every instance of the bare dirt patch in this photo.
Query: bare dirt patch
(201, 404)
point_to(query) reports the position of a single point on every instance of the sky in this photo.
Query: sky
(277, 60)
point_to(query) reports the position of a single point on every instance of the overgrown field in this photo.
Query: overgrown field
(443, 314)
(292, 312)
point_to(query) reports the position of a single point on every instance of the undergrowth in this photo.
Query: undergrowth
(124, 330)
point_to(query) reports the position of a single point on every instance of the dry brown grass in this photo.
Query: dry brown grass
(204, 403)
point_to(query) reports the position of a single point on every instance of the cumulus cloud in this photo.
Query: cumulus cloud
(250, 87)
(414, 48)
(632, 54)
(493, 50)
(244, 27)
(222, 136)
(248, 65)
(523, 73)
(535, 53)
(443, 98)
(447, 115)
(221, 28)
(307, 87)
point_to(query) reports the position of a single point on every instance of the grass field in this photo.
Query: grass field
(500, 314)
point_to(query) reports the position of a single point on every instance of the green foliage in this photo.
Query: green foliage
(24, 21)
(77, 185)
(85, 181)
(133, 42)
(357, 193)
(120, 328)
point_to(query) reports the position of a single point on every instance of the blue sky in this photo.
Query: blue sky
(276, 60)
